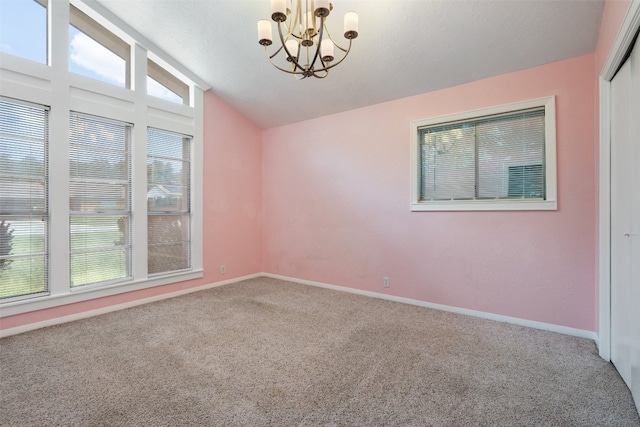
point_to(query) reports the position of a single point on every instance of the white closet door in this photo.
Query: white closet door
(625, 223)
(634, 234)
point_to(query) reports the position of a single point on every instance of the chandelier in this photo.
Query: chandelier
(304, 39)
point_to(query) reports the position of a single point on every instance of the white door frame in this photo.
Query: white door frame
(628, 30)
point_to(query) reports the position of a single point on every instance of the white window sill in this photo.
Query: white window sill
(486, 205)
(84, 294)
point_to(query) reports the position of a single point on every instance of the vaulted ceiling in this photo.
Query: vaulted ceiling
(404, 48)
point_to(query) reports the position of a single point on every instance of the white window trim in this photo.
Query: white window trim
(551, 202)
(55, 86)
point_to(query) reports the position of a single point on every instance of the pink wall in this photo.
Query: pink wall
(336, 207)
(232, 211)
(612, 17)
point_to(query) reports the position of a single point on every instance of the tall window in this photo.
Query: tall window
(24, 215)
(168, 181)
(99, 200)
(168, 200)
(489, 161)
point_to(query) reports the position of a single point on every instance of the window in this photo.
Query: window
(81, 218)
(96, 52)
(162, 84)
(23, 199)
(501, 158)
(23, 29)
(99, 200)
(168, 181)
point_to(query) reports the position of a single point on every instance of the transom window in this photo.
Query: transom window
(496, 159)
(96, 52)
(23, 29)
(164, 85)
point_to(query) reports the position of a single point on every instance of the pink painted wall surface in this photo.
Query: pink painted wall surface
(232, 211)
(336, 207)
(612, 17)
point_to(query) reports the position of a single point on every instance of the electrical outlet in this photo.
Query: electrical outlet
(223, 269)
(385, 282)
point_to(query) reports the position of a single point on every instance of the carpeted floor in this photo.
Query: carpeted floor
(267, 352)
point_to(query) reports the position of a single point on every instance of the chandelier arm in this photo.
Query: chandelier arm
(326, 30)
(340, 47)
(328, 67)
(294, 60)
(276, 52)
(317, 54)
(323, 69)
(299, 73)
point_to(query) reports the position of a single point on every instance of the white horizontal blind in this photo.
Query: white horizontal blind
(168, 200)
(498, 157)
(99, 200)
(24, 216)
(448, 162)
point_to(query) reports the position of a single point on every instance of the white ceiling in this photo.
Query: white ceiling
(405, 47)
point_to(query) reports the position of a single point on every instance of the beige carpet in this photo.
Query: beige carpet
(267, 352)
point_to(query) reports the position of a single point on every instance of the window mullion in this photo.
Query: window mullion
(59, 260)
(476, 155)
(195, 198)
(139, 168)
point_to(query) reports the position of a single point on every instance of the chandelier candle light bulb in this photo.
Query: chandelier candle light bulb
(350, 25)
(326, 50)
(292, 47)
(265, 36)
(310, 22)
(279, 10)
(322, 8)
(302, 25)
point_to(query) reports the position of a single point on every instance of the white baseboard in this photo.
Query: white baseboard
(481, 314)
(85, 314)
(484, 315)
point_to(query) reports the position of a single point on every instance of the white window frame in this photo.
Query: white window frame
(549, 203)
(54, 85)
